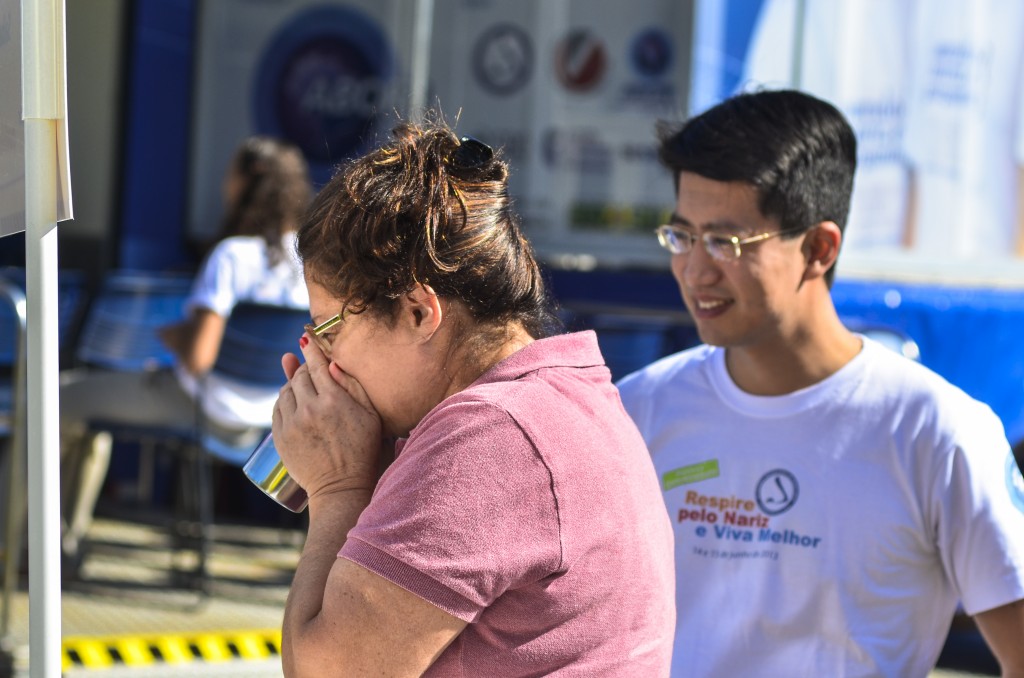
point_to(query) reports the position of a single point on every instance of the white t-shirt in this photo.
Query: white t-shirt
(831, 531)
(238, 270)
(965, 125)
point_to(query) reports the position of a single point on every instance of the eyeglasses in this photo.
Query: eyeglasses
(471, 154)
(318, 331)
(678, 240)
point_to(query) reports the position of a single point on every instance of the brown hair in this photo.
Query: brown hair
(276, 191)
(425, 208)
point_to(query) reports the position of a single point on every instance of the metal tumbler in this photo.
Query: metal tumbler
(265, 469)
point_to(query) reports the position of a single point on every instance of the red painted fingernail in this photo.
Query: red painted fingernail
(303, 341)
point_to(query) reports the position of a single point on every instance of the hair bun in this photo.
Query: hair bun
(471, 154)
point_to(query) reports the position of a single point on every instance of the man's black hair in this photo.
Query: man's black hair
(798, 152)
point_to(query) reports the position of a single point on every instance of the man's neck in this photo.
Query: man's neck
(805, 357)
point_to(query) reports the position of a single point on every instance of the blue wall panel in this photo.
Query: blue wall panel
(159, 102)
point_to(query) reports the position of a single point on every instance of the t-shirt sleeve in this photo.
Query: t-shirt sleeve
(466, 512)
(979, 504)
(214, 287)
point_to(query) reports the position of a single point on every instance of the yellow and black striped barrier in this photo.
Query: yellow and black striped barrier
(86, 652)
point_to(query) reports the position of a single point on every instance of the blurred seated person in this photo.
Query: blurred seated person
(266, 190)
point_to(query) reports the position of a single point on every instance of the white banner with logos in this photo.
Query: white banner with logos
(12, 129)
(934, 91)
(571, 90)
(326, 77)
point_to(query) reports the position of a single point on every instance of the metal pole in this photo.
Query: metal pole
(420, 72)
(43, 113)
(43, 109)
(43, 393)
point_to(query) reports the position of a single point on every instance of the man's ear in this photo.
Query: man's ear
(421, 311)
(821, 249)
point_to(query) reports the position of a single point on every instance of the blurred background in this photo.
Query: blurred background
(160, 92)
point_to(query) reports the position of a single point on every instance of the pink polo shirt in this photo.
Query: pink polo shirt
(528, 506)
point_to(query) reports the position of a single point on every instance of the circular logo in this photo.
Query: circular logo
(321, 83)
(776, 492)
(1014, 482)
(503, 59)
(580, 61)
(651, 52)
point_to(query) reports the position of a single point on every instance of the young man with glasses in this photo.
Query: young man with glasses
(832, 500)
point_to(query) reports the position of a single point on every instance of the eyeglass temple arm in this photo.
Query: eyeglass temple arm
(326, 325)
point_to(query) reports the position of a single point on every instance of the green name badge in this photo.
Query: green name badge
(684, 475)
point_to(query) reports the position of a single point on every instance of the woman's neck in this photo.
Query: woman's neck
(482, 351)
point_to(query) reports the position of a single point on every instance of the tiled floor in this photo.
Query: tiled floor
(128, 593)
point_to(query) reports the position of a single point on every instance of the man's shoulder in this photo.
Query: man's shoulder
(921, 394)
(908, 379)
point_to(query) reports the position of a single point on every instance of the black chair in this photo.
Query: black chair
(12, 427)
(119, 333)
(255, 338)
(70, 298)
(120, 330)
(13, 310)
(12, 336)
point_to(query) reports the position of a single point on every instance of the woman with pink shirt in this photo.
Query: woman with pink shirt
(519, 529)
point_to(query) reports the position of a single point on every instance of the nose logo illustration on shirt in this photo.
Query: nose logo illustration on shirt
(776, 492)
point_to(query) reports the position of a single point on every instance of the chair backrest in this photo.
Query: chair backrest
(120, 330)
(70, 295)
(256, 337)
(13, 320)
(13, 308)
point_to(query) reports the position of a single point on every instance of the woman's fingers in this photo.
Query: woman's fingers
(351, 386)
(316, 364)
(328, 432)
(303, 385)
(289, 363)
(314, 393)
(285, 406)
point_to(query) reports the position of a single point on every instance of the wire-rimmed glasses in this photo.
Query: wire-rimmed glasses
(318, 331)
(720, 247)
